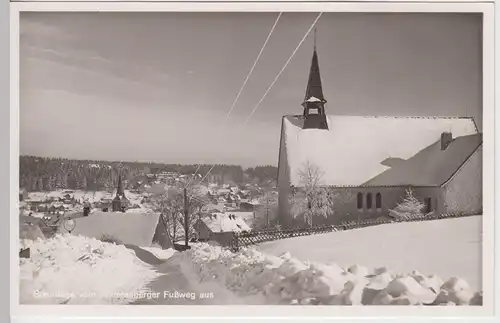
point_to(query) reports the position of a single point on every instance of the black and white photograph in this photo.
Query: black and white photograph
(251, 158)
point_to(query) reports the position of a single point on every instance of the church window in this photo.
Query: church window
(360, 201)
(369, 201)
(428, 205)
(378, 201)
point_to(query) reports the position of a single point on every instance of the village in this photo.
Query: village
(242, 203)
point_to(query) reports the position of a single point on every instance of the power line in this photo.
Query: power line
(244, 83)
(279, 74)
(284, 67)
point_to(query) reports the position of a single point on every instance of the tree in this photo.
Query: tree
(311, 199)
(170, 204)
(267, 213)
(408, 208)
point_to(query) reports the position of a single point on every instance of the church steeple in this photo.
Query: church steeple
(119, 188)
(314, 100)
(120, 202)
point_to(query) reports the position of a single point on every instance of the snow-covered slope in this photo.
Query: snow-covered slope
(444, 247)
(77, 270)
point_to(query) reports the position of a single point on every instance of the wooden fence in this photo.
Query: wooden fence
(244, 239)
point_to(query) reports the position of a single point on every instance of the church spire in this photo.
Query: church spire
(314, 100)
(119, 188)
(314, 88)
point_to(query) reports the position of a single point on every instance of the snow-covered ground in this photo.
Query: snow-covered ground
(77, 270)
(450, 247)
(256, 278)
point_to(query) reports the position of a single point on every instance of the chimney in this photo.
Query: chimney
(446, 139)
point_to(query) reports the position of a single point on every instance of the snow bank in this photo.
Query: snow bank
(159, 253)
(77, 270)
(285, 280)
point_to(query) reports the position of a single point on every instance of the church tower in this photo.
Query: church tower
(314, 101)
(120, 202)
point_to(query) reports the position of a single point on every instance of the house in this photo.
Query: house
(220, 227)
(138, 229)
(245, 206)
(369, 162)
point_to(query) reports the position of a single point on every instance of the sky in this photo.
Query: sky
(158, 86)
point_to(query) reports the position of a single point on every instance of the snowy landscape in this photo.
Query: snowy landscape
(415, 273)
(375, 199)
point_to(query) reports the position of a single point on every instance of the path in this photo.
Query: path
(172, 280)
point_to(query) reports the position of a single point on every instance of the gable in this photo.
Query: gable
(355, 149)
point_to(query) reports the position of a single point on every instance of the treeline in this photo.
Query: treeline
(262, 174)
(45, 174)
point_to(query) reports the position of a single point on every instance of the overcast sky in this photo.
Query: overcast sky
(157, 86)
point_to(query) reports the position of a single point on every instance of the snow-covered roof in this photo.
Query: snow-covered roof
(353, 149)
(431, 166)
(222, 222)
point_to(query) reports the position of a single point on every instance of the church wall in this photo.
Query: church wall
(464, 192)
(283, 182)
(346, 203)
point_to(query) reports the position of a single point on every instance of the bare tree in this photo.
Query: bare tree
(170, 203)
(311, 199)
(268, 212)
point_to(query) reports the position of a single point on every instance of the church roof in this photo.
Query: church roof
(432, 166)
(356, 149)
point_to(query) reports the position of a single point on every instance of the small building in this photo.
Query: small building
(220, 227)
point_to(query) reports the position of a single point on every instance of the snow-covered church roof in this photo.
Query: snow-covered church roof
(354, 148)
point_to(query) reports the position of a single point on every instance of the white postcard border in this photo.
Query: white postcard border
(122, 311)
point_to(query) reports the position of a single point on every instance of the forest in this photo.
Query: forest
(46, 174)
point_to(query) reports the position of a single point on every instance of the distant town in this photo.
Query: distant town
(52, 187)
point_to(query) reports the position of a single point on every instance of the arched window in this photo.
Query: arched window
(369, 201)
(360, 201)
(378, 201)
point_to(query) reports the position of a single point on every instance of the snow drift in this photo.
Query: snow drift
(70, 269)
(285, 280)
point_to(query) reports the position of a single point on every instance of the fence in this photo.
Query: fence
(255, 237)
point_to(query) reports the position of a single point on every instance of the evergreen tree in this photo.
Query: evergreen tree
(409, 207)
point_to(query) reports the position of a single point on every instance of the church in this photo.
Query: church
(120, 203)
(369, 162)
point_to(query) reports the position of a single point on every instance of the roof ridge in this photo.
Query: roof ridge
(389, 116)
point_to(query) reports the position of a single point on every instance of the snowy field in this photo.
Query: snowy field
(426, 263)
(450, 247)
